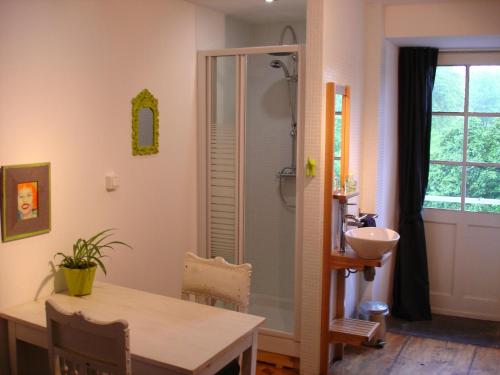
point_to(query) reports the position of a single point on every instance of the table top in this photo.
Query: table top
(166, 331)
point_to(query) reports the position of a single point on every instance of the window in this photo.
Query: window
(464, 171)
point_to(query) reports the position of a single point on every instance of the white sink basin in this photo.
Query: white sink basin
(371, 243)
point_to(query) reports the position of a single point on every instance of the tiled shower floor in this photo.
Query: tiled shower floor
(277, 311)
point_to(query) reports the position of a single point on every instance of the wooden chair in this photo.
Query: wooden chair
(215, 279)
(80, 346)
(210, 280)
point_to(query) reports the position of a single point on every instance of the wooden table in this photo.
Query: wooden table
(167, 335)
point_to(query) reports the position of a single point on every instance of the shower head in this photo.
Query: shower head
(282, 40)
(283, 33)
(280, 64)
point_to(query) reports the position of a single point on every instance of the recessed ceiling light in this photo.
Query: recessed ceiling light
(270, 1)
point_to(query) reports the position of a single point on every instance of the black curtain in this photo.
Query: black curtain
(417, 70)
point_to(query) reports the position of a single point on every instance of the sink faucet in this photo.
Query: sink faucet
(356, 221)
(348, 220)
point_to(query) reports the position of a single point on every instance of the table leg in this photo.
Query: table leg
(249, 358)
(4, 347)
(12, 347)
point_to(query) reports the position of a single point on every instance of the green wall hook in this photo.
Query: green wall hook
(310, 167)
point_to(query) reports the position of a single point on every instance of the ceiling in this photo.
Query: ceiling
(258, 11)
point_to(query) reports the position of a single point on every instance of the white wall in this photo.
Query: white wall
(387, 196)
(452, 18)
(379, 156)
(313, 193)
(210, 29)
(242, 34)
(269, 34)
(238, 33)
(68, 71)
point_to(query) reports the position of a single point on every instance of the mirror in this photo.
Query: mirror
(145, 131)
(338, 99)
(144, 124)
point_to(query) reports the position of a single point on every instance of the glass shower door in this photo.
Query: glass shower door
(250, 151)
(269, 186)
(222, 174)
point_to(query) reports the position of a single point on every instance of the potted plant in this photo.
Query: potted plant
(79, 268)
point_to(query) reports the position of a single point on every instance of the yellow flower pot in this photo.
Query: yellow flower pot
(79, 281)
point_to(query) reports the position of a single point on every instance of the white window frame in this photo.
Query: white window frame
(467, 60)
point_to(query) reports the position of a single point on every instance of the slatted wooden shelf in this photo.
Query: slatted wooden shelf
(349, 259)
(352, 331)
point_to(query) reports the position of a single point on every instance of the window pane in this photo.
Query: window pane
(336, 169)
(338, 136)
(447, 137)
(449, 89)
(483, 143)
(484, 85)
(444, 187)
(483, 189)
(338, 103)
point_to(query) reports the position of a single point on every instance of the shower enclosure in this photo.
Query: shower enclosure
(250, 207)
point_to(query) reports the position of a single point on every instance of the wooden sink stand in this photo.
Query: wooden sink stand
(341, 330)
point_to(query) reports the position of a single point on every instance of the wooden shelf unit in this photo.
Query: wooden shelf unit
(340, 331)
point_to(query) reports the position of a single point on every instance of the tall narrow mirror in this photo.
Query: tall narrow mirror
(144, 124)
(339, 98)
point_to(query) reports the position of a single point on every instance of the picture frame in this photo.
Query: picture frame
(25, 195)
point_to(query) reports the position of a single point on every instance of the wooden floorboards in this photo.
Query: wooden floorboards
(408, 355)
(267, 369)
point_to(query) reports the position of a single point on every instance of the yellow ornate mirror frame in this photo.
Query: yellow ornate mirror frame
(145, 124)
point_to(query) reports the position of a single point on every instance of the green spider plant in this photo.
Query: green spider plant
(88, 253)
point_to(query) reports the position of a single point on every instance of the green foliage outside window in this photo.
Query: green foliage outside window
(482, 183)
(337, 146)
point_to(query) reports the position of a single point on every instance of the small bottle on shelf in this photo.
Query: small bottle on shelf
(336, 184)
(350, 184)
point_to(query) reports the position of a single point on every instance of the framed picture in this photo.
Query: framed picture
(25, 200)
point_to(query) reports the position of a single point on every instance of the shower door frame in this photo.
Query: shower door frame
(269, 339)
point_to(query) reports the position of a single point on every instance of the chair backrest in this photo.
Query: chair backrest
(217, 279)
(78, 345)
